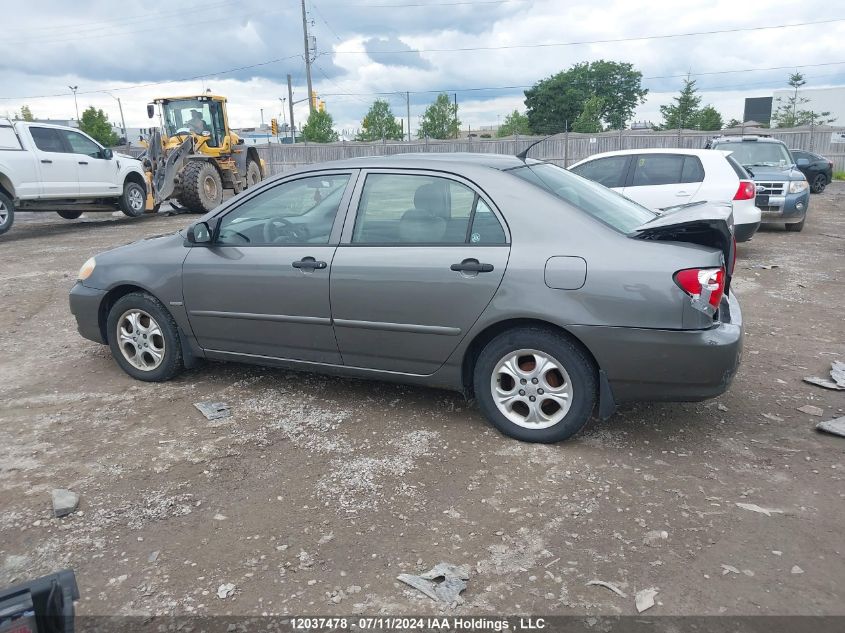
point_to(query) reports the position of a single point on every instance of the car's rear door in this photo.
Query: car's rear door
(261, 289)
(421, 256)
(661, 180)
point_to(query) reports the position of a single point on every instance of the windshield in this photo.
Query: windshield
(192, 116)
(751, 153)
(600, 202)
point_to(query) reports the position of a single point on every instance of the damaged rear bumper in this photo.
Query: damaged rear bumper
(668, 365)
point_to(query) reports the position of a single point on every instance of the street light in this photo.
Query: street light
(75, 105)
(122, 120)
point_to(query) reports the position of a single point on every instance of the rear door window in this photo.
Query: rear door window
(658, 169)
(47, 139)
(609, 171)
(693, 170)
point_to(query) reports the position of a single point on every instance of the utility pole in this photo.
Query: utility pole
(307, 56)
(408, 108)
(75, 105)
(123, 121)
(456, 115)
(290, 105)
(262, 117)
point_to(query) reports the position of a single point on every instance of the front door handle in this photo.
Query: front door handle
(682, 194)
(309, 263)
(472, 266)
(83, 162)
(46, 160)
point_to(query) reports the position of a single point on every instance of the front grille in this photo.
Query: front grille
(770, 188)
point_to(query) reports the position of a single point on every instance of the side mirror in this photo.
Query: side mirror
(106, 153)
(240, 142)
(151, 110)
(802, 162)
(199, 233)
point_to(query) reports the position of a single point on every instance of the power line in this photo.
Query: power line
(428, 4)
(320, 15)
(606, 41)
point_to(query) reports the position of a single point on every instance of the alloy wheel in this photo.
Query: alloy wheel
(4, 213)
(141, 339)
(531, 389)
(136, 199)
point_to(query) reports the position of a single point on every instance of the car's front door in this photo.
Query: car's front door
(261, 288)
(97, 175)
(664, 180)
(58, 168)
(417, 265)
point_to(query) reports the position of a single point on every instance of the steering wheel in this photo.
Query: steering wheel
(281, 230)
(182, 130)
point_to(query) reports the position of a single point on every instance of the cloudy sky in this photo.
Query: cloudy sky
(140, 49)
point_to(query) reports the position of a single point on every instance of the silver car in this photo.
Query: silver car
(543, 295)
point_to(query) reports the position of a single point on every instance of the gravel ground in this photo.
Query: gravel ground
(319, 491)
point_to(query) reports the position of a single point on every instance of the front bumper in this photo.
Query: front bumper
(669, 365)
(789, 208)
(85, 306)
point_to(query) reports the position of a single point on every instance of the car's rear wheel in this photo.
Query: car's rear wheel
(797, 227)
(819, 183)
(535, 385)
(69, 215)
(7, 213)
(144, 338)
(253, 174)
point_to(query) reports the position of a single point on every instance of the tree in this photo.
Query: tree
(440, 119)
(684, 112)
(788, 114)
(554, 103)
(318, 128)
(515, 123)
(709, 119)
(95, 123)
(589, 121)
(26, 113)
(380, 123)
(733, 123)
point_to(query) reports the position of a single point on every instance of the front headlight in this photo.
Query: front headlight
(86, 270)
(797, 186)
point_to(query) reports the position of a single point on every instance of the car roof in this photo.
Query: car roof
(707, 154)
(429, 160)
(746, 138)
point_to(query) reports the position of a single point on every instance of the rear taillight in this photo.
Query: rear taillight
(745, 191)
(704, 285)
(830, 164)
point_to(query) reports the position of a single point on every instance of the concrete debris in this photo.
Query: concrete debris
(837, 426)
(653, 537)
(64, 501)
(753, 507)
(442, 583)
(645, 599)
(213, 410)
(225, 590)
(796, 570)
(772, 417)
(764, 266)
(836, 381)
(608, 585)
(729, 569)
(722, 407)
(153, 557)
(810, 409)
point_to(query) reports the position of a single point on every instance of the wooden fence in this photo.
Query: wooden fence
(563, 149)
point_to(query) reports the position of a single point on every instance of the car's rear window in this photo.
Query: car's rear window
(739, 169)
(600, 202)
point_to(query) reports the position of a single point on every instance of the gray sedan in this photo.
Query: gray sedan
(544, 295)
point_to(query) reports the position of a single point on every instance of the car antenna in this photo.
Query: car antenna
(523, 155)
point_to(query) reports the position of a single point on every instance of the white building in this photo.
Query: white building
(820, 100)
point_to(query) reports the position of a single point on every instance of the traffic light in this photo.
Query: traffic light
(322, 107)
(274, 126)
(313, 99)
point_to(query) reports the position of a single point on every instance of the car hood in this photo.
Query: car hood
(762, 173)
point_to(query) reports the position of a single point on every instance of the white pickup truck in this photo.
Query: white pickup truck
(55, 168)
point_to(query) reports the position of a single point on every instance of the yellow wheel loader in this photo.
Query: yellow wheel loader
(193, 155)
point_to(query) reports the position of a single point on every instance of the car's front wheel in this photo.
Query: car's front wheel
(133, 200)
(535, 385)
(819, 183)
(144, 338)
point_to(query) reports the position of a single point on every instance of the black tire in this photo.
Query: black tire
(7, 213)
(581, 371)
(819, 183)
(171, 363)
(133, 202)
(253, 174)
(797, 227)
(201, 187)
(69, 215)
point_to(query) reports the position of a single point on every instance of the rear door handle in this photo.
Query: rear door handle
(472, 266)
(46, 160)
(309, 263)
(682, 193)
(83, 162)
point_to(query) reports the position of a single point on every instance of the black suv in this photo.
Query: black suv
(819, 171)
